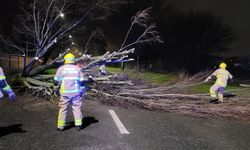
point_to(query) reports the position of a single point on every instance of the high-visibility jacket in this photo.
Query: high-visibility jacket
(3, 84)
(222, 76)
(69, 77)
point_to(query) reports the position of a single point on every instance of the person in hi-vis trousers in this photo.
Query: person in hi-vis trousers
(222, 75)
(70, 80)
(4, 87)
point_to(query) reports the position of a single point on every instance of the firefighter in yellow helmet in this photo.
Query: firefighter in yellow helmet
(222, 75)
(69, 78)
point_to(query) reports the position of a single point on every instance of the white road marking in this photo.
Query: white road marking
(119, 124)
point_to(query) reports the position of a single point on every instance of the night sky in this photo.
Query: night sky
(235, 13)
(8, 11)
(232, 12)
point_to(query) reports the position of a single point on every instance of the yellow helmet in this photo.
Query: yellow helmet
(223, 65)
(69, 58)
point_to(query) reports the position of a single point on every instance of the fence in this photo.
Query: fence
(12, 63)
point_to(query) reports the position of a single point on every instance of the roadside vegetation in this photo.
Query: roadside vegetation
(149, 77)
(164, 78)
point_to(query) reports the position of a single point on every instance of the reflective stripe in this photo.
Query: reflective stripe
(71, 91)
(2, 77)
(78, 122)
(69, 71)
(68, 78)
(62, 89)
(220, 96)
(60, 123)
(69, 58)
(212, 93)
(71, 78)
(6, 88)
(69, 68)
(57, 79)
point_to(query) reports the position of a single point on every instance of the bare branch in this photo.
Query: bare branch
(149, 36)
(9, 43)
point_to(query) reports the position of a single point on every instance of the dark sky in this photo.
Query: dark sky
(8, 10)
(235, 13)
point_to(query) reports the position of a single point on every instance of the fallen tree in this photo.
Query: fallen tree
(174, 98)
(42, 29)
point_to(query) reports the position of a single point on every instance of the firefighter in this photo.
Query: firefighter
(69, 78)
(222, 75)
(4, 87)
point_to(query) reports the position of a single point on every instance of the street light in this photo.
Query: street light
(62, 15)
(55, 40)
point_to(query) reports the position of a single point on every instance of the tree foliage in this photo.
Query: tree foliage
(193, 38)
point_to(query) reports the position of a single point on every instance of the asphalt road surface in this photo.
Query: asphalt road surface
(30, 124)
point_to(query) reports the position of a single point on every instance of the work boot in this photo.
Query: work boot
(60, 128)
(218, 102)
(214, 101)
(78, 128)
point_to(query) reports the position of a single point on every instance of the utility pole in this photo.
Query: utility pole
(25, 54)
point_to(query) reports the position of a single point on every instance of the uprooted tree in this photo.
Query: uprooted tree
(44, 24)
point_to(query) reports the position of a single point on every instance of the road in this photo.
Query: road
(30, 124)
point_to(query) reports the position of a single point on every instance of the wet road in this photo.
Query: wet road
(32, 125)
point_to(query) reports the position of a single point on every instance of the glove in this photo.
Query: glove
(207, 79)
(90, 78)
(56, 92)
(12, 96)
(88, 88)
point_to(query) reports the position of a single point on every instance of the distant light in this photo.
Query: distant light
(70, 36)
(55, 40)
(73, 43)
(68, 49)
(62, 15)
(80, 53)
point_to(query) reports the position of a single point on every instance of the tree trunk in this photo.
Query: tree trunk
(28, 68)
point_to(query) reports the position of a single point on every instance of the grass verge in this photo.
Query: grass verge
(151, 77)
